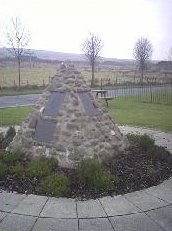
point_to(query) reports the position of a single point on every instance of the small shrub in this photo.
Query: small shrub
(2, 142)
(18, 169)
(10, 158)
(55, 185)
(144, 142)
(3, 169)
(159, 153)
(10, 134)
(41, 167)
(92, 175)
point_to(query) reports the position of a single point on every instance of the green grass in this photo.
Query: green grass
(130, 111)
(160, 97)
(13, 115)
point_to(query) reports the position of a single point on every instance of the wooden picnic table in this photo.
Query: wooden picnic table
(103, 94)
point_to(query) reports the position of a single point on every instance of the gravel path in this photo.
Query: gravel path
(161, 138)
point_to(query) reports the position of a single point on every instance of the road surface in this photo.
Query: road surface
(21, 100)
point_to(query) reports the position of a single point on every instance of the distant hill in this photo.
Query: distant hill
(60, 56)
(52, 55)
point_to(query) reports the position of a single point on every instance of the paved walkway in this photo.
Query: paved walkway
(146, 210)
(18, 100)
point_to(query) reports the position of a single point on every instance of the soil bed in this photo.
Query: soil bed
(135, 169)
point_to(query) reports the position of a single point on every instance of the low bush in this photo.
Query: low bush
(41, 167)
(3, 170)
(55, 185)
(10, 134)
(142, 141)
(159, 153)
(2, 142)
(10, 158)
(93, 176)
(18, 170)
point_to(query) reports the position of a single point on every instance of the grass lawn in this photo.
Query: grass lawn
(129, 111)
(13, 115)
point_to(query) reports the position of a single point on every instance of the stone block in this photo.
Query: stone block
(118, 205)
(31, 205)
(90, 208)
(96, 224)
(60, 208)
(14, 222)
(9, 201)
(52, 224)
(164, 193)
(134, 222)
(162, 216)
(145, 201)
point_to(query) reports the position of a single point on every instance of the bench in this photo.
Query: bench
(102, 92)
(103, 95)
(106, 99)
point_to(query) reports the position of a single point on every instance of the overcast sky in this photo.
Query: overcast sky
(62, 25)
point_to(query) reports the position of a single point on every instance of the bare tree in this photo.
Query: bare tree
(91, 48)
(142, 53)
(17, 40)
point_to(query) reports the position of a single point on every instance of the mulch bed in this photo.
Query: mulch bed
(135, 169)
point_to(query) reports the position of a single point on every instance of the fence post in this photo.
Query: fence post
(101, 84)
(151, 93)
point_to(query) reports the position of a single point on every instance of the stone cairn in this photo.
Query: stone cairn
(67, 124)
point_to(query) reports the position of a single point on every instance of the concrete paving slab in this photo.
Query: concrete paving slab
(10, 200)
(145, 201)
(53, 224)
(95, 224)
(2, 215)
(14, 222)
(90, 208)
(167, 183)
(163, 216)
(161, 191)
(134, 222)
(60, 208)
(118, 205)
(31, 205)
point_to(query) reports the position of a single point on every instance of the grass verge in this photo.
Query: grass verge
(130, 111)
(22, 91)
(13, 115)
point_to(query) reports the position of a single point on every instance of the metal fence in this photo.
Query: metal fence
(152, 92)
(25, 83)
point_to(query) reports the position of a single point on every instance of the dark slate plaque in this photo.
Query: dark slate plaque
(88, 105)
(54, 103)
(44, 131)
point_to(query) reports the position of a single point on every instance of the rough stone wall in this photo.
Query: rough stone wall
(76, 135)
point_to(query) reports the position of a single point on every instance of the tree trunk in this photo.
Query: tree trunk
(19, 72)
(92, 70)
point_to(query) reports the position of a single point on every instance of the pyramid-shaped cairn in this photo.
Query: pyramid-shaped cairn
(66, 123)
